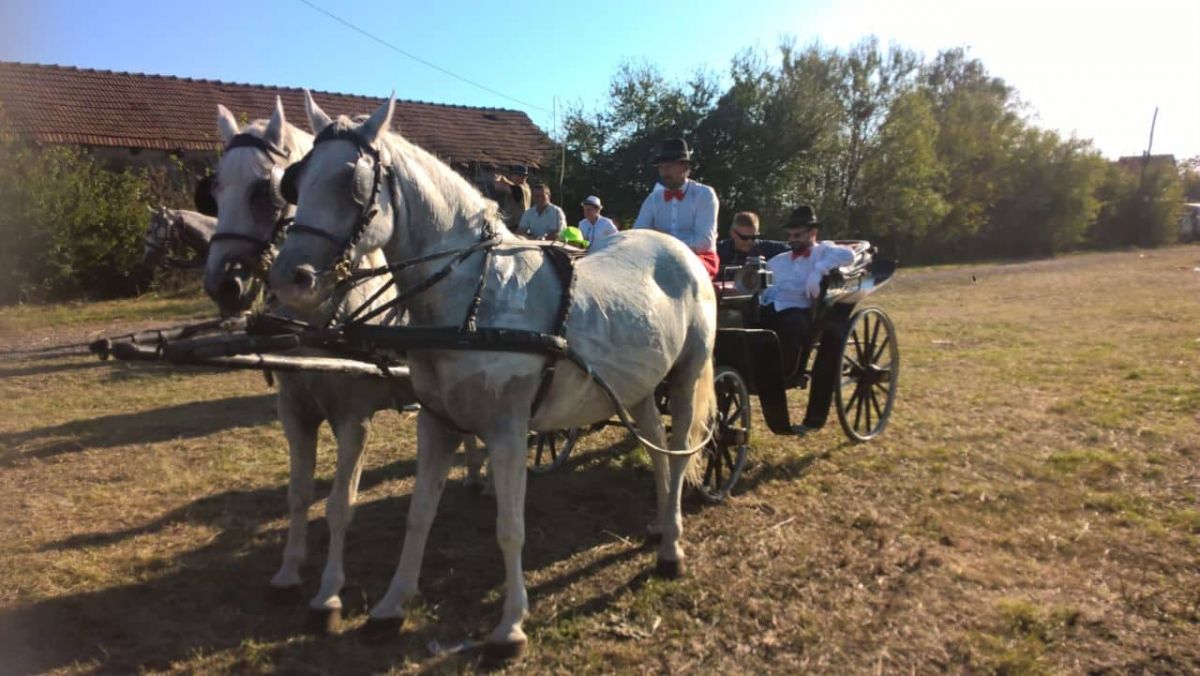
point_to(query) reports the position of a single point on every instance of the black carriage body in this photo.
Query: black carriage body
(756, 353)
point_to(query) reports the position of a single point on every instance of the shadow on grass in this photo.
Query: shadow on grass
(213, 598)
(46, 367)
(190, 420)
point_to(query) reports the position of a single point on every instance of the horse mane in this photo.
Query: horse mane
(429, 181)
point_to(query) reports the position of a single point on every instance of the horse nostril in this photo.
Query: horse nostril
(304, 278)
(230, 290)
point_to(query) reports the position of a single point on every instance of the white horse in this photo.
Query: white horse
(250, 210)
(644, 313)
(173, 229)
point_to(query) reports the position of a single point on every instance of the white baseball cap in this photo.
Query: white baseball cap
(593, 201)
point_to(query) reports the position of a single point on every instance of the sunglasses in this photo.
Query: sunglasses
(741, 236)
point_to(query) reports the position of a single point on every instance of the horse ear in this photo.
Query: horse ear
(317, 118)
(226, 124)
(380, 119)
(274, 133)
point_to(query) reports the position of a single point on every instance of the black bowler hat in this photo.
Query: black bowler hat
(674, 150)
(803, 217)
(518, 170)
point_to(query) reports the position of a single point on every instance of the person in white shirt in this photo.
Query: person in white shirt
(682, 207)
(543, 220)
(594, 227)
(787, 308)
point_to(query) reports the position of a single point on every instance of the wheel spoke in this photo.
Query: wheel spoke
(876, 406)
(857, 345)
(717, 465)
(879, 352)
(867, 406)
(875, 332)
(858, 407)
(850, 403)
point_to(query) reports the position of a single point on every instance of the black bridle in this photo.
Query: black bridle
(165, 237)
(342, 267)
(264, 254)
(368, 208)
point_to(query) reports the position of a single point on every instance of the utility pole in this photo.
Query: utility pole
(1143, 235)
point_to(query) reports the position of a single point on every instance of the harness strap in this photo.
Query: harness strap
(564, 264)
(469, 324)
(251, 141)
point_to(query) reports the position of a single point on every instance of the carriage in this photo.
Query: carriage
(749, 362)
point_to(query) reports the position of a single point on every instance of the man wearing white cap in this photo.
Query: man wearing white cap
(594, 227)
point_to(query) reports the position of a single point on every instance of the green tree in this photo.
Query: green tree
(977, 127)
(71, 228)
(1047, 198)
(903, 181)
(1141, 203)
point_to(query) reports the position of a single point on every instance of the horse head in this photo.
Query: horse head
(346, 198)
(245, 192)
(159, 237)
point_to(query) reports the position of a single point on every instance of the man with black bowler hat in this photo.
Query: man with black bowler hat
(681, 207)
(787, 308)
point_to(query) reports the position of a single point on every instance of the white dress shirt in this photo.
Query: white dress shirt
(795, 275)
(692, 220)
(603, 227)
(551, 221)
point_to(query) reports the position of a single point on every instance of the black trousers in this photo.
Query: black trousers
(792, 325)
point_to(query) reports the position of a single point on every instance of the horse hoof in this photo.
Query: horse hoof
(668, 570)
(381, 630)
(322, 621)
(285, 596)
(496, 655)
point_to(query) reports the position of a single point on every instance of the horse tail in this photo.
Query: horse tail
(704, 412)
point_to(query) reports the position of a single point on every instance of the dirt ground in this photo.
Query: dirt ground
(1033, 508)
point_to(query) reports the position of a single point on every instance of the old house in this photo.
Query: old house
(133, 119)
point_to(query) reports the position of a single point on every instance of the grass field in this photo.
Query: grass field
(1033, 508)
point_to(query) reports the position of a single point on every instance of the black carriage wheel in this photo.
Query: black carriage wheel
(725, 456)
(549, 450)
(870, 366)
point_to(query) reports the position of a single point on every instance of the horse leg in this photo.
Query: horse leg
(508, 452)
(351, 433)
(301, 433)
(691, 396)
(649, 424)
(435, 453)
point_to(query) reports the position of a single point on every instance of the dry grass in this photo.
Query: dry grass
(1033, 508)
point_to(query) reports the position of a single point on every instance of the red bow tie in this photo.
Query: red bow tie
(803, 254)
(669, 195)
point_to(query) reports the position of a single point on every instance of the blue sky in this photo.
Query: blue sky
(1081, 67)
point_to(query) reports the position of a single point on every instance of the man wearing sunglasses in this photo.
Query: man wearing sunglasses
(744, 242)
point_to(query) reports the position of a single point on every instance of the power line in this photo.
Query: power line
(418, 59)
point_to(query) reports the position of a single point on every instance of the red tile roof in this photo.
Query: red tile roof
(59, 104)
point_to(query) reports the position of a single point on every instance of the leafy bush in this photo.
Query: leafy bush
(70, 227)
